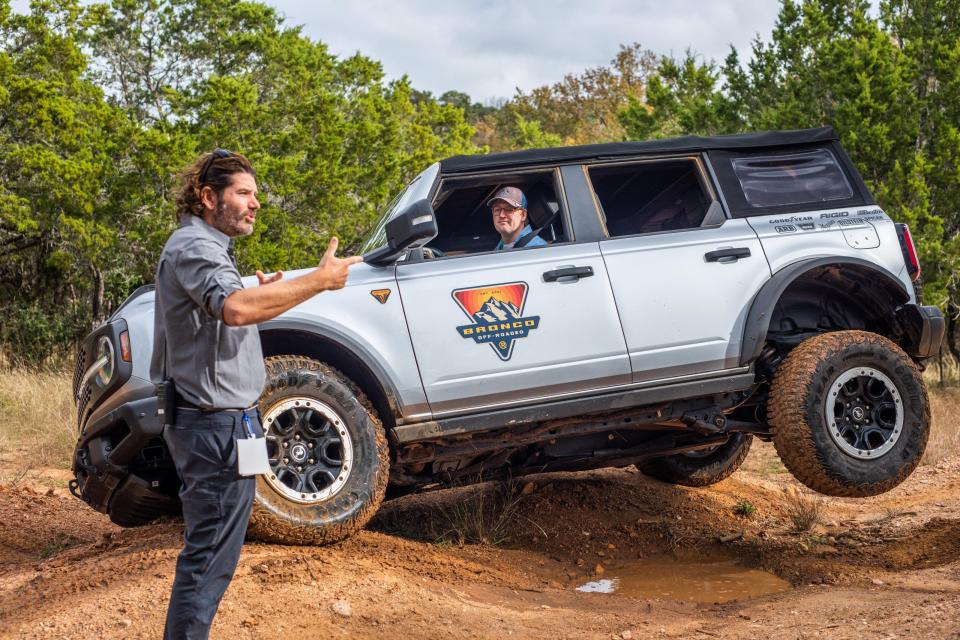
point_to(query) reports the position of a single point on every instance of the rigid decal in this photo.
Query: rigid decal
(496, 312)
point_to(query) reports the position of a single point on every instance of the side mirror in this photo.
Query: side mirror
(411, 228)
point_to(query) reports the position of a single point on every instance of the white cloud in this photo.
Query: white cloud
(488, 48)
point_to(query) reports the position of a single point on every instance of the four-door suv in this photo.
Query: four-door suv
(693, 293)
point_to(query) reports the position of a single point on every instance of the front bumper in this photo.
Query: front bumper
(924, 328)
(112, 440)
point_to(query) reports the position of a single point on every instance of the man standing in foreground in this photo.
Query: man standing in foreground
(206, 341)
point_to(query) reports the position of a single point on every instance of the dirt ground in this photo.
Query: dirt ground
(884, 567)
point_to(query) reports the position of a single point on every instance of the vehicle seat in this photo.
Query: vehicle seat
(542, 210)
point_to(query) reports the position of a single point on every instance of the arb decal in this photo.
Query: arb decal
(497, 314)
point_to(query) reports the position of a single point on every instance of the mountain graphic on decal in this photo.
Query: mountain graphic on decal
(494, 310)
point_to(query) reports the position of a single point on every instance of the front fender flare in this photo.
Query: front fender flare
(349, 344)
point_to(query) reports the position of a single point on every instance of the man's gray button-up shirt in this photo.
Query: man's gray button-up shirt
(214, 366)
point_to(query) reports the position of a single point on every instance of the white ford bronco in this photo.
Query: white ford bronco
(692, 294)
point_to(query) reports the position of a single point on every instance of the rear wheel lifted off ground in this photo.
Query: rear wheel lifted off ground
(328, 455)
(701, 468)
(849, 413)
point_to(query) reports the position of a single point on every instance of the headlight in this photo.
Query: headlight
(104, 361)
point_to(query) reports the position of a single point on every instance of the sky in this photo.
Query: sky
(490, 48)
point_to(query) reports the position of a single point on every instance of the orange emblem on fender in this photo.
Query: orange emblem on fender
(381, 295)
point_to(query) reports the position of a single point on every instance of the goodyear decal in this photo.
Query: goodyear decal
(496, 312)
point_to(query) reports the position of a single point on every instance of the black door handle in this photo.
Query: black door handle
(736, 254)
(567, 272)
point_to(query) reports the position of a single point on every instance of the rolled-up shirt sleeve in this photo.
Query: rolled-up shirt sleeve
(206, 273)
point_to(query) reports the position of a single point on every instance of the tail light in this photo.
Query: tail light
(909, 251)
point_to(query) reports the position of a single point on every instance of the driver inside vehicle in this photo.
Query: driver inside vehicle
(509, 209)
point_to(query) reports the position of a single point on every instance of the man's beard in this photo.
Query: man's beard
(230, 221)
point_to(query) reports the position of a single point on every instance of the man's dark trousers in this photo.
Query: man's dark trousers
(216, 508)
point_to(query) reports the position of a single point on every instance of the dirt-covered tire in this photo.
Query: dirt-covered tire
(328, 452)
(696, 469)
(849, 413)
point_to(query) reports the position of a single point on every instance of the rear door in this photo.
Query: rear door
(682, 273)
(494, 328)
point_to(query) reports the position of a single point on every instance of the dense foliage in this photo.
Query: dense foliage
(102, 104)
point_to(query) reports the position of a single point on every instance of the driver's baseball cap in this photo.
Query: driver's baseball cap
(511, 195)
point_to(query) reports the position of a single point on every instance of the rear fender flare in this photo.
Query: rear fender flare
(763, 303)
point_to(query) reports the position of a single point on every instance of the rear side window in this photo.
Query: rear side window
(650, 197)
(791, 178)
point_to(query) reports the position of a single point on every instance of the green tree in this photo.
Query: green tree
(102, 104)
(581, 109)
(682, 97)
(58, 140)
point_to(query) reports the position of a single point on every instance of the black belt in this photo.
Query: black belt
(183, 403)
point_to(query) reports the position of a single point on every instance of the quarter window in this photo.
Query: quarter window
(789, 179)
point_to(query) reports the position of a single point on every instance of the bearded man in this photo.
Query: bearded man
(206, 342)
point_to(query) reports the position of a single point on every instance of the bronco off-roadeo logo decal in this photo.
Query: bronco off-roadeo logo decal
(497, 314)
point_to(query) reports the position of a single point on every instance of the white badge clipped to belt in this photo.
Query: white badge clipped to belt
(252, 457)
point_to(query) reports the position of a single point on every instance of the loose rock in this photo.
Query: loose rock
(342, 608)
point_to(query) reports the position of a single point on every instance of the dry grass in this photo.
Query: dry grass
(36, 429)
(486, 513)
(945, 431)
(805, 511)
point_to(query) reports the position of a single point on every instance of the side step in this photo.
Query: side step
(607, 402)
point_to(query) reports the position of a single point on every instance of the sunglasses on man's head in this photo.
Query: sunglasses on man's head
(217, 153)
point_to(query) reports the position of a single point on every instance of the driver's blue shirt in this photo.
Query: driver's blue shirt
(536, 241)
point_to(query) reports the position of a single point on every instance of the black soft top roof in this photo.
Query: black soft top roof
(582, 153)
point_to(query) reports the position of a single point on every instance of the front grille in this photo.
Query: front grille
(82, 403)
(78, 370)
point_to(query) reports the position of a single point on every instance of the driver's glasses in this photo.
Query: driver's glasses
(501, 210)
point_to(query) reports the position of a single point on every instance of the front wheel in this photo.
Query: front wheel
(849, 413)
(328, 455)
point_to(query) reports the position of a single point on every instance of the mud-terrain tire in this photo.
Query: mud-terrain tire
(701, 470)
(308, 403)
(889, 432)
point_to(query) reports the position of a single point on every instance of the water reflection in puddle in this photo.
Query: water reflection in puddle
(705, 580)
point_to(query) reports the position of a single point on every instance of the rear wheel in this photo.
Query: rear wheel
(849, 413)
(701, 468)
(328, 455)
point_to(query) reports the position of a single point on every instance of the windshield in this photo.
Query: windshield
(418, 188)
(379, 235)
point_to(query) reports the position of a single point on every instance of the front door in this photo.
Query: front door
(509, 327)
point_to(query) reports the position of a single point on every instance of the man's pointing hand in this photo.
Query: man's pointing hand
(333, 271)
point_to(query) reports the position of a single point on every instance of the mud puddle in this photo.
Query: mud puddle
(705, 580)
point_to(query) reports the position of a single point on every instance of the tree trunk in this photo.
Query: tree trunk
(97, 296)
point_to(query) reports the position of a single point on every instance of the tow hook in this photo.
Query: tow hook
(74, 488)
